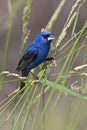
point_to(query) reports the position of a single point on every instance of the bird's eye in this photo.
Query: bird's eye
(45, 36)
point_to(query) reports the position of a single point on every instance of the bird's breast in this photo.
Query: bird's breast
(43, 51)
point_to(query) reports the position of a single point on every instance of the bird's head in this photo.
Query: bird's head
(45, 37)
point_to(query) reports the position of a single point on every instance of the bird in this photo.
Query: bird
(35, 54)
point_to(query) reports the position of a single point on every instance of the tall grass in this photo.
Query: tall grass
(27, 106)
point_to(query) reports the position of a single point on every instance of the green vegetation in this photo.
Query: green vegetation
(44, 93)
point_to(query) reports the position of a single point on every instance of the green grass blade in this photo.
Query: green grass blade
(62, 88)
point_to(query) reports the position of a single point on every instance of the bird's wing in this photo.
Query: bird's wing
(27, 58)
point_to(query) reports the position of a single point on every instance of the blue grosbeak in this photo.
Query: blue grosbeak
(35, 54)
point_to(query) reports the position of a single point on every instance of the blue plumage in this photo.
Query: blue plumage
(35, 54)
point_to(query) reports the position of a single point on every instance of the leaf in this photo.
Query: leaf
(62, 88)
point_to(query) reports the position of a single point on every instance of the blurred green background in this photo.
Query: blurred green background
(41, 13)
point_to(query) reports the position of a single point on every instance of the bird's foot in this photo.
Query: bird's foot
(36, 77)
(50, 59)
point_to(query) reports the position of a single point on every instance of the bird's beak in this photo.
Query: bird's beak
(50, 38)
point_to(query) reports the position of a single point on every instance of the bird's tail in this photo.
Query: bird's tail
(22, 84)
(24, 74)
